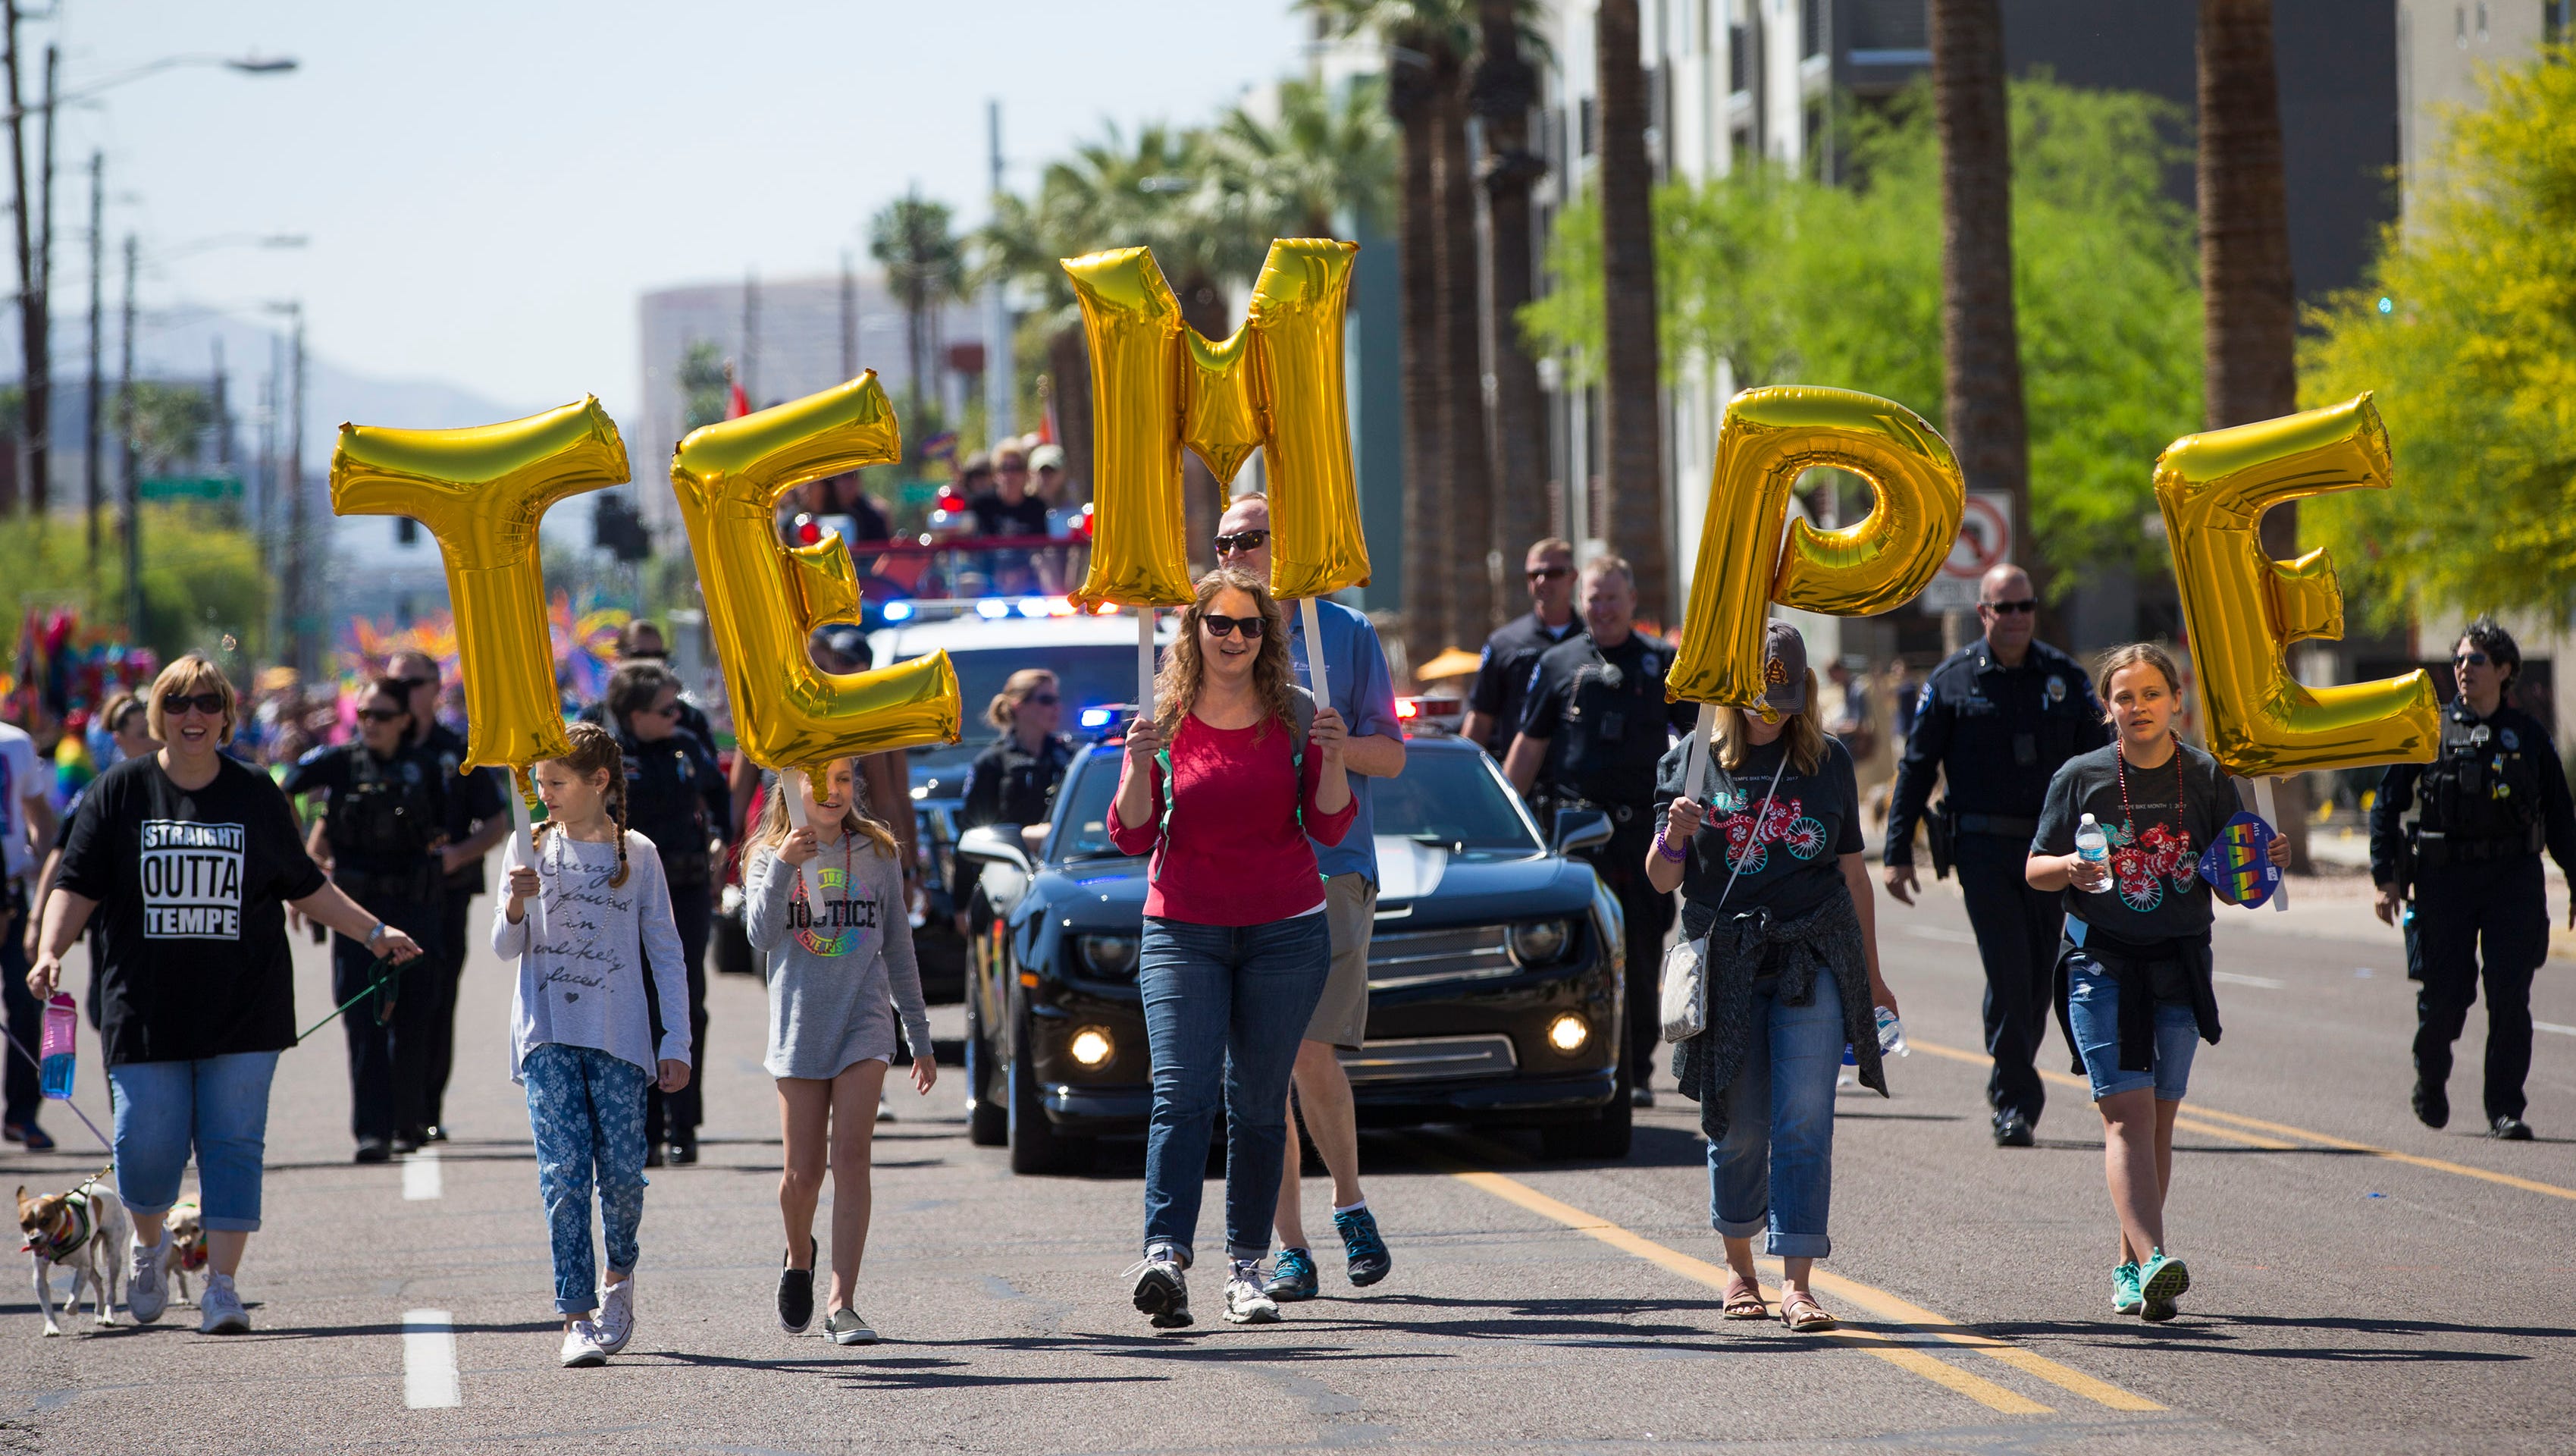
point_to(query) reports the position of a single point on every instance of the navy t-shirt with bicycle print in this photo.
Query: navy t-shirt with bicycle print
(2171, 813)
(1789, 840)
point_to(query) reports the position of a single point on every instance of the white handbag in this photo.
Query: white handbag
(1685, 980)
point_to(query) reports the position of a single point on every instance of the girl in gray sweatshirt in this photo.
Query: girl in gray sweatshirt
(825, 910)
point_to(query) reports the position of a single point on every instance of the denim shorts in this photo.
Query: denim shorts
(2093, 1005)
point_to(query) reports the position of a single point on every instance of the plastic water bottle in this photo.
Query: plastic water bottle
(1849, 1076)
(62, 1041)
(2091, 845)
(1891, 1035)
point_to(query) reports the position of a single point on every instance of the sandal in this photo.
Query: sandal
(1800, 1312)
(1744, 1299)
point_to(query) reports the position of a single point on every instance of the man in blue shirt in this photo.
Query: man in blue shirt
(1363, 692)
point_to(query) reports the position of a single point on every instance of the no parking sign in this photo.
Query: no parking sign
(1985, 541)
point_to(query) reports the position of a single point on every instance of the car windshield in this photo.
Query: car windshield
(1448, 799)
(1089, 675)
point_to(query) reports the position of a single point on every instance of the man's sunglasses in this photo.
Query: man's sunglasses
(177, 704)
(2026, 604)
(2470, 659)
(1250, 627)
(1548, 573)
(414, 684)
(664, 710)
(1043, 700)
(1241, 541)
(382, 715)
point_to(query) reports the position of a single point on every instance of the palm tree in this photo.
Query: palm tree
(1501, 89)
(1632, 383)
(913, 238)
(2248, 302)
(1469, 537)
(1329, 149)
(1980, 346)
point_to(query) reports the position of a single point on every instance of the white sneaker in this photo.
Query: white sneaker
(581, 1346)
(219, 1309)
(147, 1288)
(1245, 1304)
(1161, 1290)
(617, 1315)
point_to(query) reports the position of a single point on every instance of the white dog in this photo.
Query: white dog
(187, 1234)
(85, 1230)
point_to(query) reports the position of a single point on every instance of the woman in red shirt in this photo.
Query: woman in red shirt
(1236, 769)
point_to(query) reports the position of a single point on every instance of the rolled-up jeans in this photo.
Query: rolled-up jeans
(1773, 1172)
(1225, 1006)
(218, 1106)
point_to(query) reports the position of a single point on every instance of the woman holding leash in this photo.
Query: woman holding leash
(1772, 872)
(189, 858)
(2136, 956)
(824, 906)
(1222, 786)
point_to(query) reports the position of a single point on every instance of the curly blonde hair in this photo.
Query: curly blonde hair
(1184, 670)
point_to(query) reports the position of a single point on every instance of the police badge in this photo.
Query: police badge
(2056, 689)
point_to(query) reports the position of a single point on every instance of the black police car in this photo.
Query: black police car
(1494, 973)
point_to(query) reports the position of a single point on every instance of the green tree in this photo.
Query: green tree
(705, 391)
(1792, 281)
(2466, 329)
(169, 421)
(192, 599)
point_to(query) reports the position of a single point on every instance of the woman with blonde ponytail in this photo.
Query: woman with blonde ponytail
(581, 1038)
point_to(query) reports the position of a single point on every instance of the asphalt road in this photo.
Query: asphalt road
(2360, 1283)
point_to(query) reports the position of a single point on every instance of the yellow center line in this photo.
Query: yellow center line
(2438, 1165)
(1878, 1302)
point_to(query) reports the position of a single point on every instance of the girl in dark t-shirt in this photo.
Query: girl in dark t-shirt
(2137, 944)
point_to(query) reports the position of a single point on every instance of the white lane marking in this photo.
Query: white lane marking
(421, 1176)
(429, 1360)
(2235, 978)
(1943, 933)
(2554, 1026)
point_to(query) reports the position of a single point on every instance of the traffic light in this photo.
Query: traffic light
(619, 529)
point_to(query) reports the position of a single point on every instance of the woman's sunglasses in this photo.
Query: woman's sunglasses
(1240, 541)
(210, 704)
(2470, 659)
(664, 710)
(1250, 627)
(1043, 700)
(382, 715)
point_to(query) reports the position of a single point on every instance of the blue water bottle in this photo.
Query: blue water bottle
(62, 1042)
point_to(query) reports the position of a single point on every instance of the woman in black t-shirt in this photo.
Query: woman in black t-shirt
(1772, 872)
(188, 858)
(2136, 954)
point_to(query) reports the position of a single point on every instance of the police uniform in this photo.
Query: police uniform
(1502, 681)
(1996, 735)
(2491, 800)
(387, 817)
(676, 796)
(481, 790)
(1007, 784)
(1602, 712)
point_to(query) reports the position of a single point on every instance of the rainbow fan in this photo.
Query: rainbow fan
(2238, 864)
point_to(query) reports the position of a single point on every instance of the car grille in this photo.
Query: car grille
(1420, 957)
(1430, 1059)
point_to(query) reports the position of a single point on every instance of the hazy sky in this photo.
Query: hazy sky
(488, 186)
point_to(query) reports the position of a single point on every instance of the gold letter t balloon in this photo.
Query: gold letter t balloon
(764, 600)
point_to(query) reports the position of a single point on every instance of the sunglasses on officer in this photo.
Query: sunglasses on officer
(2471, 659)
(383, 715)
(2025, 604)
(1250, 627)
(1232, 542)
(1548, 573)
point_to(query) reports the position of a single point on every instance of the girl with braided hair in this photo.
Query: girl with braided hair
(587, 922)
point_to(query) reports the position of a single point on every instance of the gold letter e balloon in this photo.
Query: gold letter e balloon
(764, 599)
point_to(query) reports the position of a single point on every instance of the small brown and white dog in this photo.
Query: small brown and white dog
(85, 1230)
(186, 1230)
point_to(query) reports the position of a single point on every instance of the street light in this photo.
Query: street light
(253, 64)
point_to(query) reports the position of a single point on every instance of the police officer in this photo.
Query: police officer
(2491, 799)
(1994, 721)
(390, 814)
(488, 823)
(676, 796)
(1494, 703)
(1013, 781)
(1592, 729)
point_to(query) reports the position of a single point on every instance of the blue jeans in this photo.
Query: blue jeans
(586, 1108)
(1774, 1170)
(1224, 1005)
(217, 1104)
(2093, 1009)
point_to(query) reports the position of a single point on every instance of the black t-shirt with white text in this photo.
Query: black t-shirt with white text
(2156, 890)
(1790, 839)
(191, 886)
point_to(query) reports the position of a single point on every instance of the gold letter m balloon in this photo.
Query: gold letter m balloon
(764, 600)
(2242, 607)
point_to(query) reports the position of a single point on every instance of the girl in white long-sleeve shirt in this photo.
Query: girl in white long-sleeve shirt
(585, 923)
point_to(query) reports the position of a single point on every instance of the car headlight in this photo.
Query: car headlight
(1092, 1046)
(1538, 942)
(1108, 955)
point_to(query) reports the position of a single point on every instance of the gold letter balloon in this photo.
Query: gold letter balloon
(481, 493)
(1276, 383)
(1874, 565)
(2242, 607)
(764, 599)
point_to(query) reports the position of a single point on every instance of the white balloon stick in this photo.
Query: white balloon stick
(1315, 654)
(1145, 664)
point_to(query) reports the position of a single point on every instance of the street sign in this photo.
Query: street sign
(190, 487)
(1985, 541)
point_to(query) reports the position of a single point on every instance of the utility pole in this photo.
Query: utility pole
(849, 319)
(299, 620)
(133, 487)
(750, 336)
(271, 472)
(31, 297)
(1001, 376)
(93, 480)
(223, 416)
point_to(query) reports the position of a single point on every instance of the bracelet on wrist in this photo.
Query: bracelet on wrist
(1664, 847)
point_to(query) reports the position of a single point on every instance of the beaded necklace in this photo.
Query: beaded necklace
(2120, 754)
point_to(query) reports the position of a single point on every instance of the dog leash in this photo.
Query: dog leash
(106, 1144)
(384, 1013)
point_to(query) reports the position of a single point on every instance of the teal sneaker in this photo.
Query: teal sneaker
(2125, 1297)
(1292, 1277)
(2160, 1283)
(1361, 1245)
